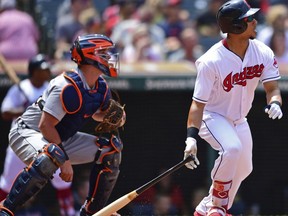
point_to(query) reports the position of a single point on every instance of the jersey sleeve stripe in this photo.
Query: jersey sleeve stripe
(271, 79)
(199, 100)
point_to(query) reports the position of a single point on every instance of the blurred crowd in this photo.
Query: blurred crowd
(144, 30)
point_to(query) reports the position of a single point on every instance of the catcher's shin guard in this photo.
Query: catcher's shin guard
(34, 177)
(103, 176)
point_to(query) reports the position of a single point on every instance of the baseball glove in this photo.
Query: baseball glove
(113, 119)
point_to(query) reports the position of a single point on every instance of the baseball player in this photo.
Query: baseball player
(47, 136)
(15, 102)
(227, 76)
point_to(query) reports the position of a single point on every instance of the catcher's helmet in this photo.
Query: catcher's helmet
(38, 62)
(230, 16)
(97, 50)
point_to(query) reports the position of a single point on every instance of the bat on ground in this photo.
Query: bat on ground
(127, 198)
(8, 70)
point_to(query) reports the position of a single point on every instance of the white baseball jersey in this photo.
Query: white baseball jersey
(227, 87)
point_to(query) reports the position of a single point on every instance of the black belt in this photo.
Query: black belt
(40, 102)
(22, 124)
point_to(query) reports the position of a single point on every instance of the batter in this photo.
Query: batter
(227, 77)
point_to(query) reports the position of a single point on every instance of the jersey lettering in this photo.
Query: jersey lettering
(241, 78)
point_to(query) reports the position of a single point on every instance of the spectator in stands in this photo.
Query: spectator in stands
(67, 26)
(206, 24)
(157, 6)
(172, 24)
(163, 206)
(92, 23)
(278, 44)
(126, 20)
(19, 33)
(276, 20)
(185, 49)
(196, 196)
(142, 47)
(165, 193)
(147, 15)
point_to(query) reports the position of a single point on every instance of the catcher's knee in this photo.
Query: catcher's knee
(110, 159)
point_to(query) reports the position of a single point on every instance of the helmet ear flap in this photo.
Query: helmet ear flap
(238, 27)
(79, 51)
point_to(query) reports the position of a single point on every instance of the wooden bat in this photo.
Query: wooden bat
(8, 70)
(127, 198)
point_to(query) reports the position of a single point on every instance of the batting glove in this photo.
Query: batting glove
(274, 111)
(191, 149)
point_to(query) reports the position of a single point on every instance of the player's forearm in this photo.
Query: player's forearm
(274, 96)
(195, 115)
(50, 134)
(272, 92)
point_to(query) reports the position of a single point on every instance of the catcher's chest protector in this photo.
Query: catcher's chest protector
(79, 104)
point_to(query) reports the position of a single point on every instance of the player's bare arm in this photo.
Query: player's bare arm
(195, 114)
(47, 127)
(272, 92)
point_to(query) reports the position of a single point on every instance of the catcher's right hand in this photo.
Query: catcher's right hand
(191, 149)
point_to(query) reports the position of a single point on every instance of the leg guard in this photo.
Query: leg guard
(5, 211)
(34, 177)
(220, 194)
(103, 176)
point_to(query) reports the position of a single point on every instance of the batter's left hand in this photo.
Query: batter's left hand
(274, 111)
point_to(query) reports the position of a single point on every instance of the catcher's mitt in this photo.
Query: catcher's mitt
(113, 119)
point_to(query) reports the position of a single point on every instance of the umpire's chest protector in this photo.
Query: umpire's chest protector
(79, 103)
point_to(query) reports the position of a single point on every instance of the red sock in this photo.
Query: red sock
(66, 202)
(3, 195)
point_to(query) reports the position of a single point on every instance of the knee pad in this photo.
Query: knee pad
(34, 177)
(112, 158)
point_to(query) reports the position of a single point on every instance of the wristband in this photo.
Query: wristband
(193, 132)
(276, 102)
(61, 146)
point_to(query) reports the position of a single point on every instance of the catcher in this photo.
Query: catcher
(47, 136)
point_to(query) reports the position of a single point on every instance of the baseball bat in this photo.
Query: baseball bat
(8, 70)
(127, 198)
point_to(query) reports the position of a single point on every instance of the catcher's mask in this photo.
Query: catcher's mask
(232, 16)
(97, 50)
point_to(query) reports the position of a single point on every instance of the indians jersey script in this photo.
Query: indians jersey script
(226, 83)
